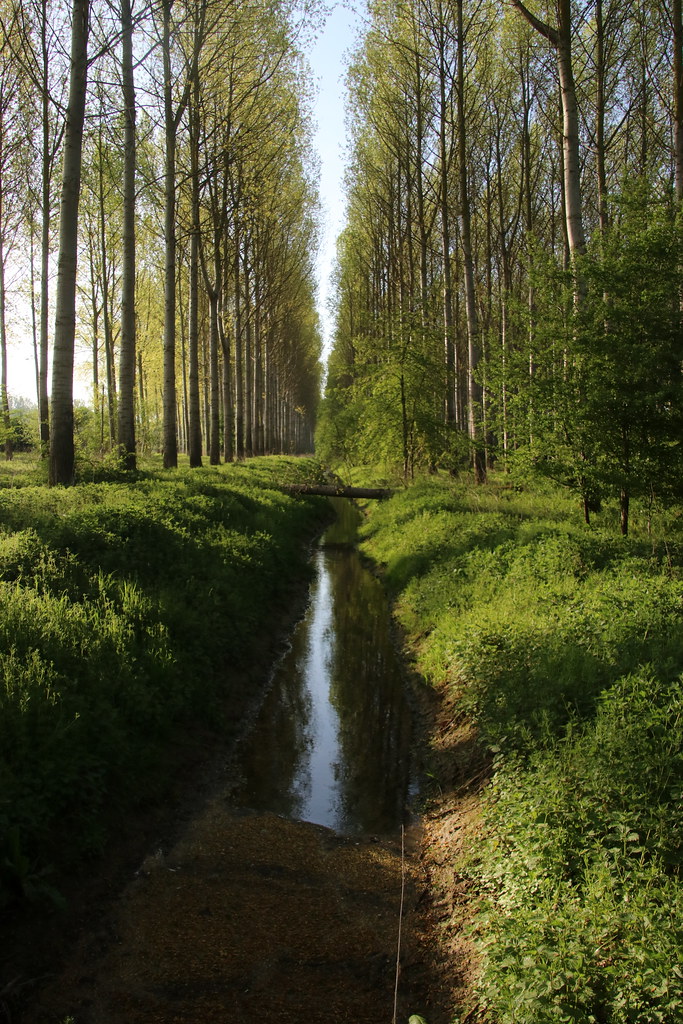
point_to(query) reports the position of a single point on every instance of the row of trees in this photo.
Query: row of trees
(509, 281)
(187, 220)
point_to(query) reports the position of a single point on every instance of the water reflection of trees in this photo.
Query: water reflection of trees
(366, 689)
(275, 762)
(345, 641)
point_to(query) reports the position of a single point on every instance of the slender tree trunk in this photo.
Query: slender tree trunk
(170, 428)
(570, 135)
(62, 430)
(529, 218)
(143, 415)
(257, 403)
(106, 305)
(228, 411)
(239, 380)
(678, 95)
(126, 410)
(475, 393)
(214, 383)
(194, 413)
(46, 182)
(248, 360)
(95, 327)
(450, 405)
(420, 197)
(561, 39)
(624, 503)
(212, 377)
(267, 404)
(34, 320)
(4, 395)
(600, 117)
(505, 295)
(205, 371)
(405, 428)
(183, 413)
(195, 428)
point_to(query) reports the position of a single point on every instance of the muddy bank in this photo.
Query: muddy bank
(450, 825)
(204, 913)
(245, 917)
(251, 917)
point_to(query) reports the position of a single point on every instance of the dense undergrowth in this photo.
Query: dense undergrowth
(127, 609)
(564, 643)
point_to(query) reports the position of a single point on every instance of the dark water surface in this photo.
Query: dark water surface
(331, 744)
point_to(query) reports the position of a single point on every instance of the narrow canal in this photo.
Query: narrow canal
(331, 744)
(256, 912)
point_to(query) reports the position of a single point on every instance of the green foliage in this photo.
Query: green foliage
(603, 412)
(22, 431)
(124, 610)
(630, 343)
(581, 868)
(565, 644)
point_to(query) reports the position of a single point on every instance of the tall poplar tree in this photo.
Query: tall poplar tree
(61, 468)
(127, 353)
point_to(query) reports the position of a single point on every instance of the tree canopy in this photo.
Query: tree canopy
(509, 280)
(187, 230)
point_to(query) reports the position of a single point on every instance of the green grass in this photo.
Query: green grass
(564, 643)
(126, 609)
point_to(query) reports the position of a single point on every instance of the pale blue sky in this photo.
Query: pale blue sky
(327, 61)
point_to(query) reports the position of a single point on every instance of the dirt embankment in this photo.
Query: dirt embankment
(253, 918)
(249, 917)
(204, 913)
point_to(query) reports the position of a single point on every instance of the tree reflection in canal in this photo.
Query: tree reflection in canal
(332, 741)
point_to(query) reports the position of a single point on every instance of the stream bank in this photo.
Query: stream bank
(252, 917)
(243, 915)
(249, 917)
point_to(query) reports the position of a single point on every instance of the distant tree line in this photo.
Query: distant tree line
(509, 281)
(156, 154)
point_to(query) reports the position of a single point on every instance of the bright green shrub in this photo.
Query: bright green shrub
(565, 645)
(124, 609)
(583, 919)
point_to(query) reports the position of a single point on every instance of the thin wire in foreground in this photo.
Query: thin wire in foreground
(400, 925)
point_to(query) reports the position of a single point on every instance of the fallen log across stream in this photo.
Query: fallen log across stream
(337, 490)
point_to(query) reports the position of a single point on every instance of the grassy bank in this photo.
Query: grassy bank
(127, 609)
(565, 645)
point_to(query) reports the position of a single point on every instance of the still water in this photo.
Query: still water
(331, 744)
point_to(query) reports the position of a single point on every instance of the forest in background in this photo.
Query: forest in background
(157, 156)
(509, 279)
(508, 298)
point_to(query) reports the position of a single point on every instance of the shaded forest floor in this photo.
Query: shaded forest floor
(250, 917)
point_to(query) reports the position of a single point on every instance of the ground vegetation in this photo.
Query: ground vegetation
(128, 612)
(561, 645)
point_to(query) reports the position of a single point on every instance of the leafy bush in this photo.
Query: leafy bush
(124, 609)
(583, 915)
(565, 645)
